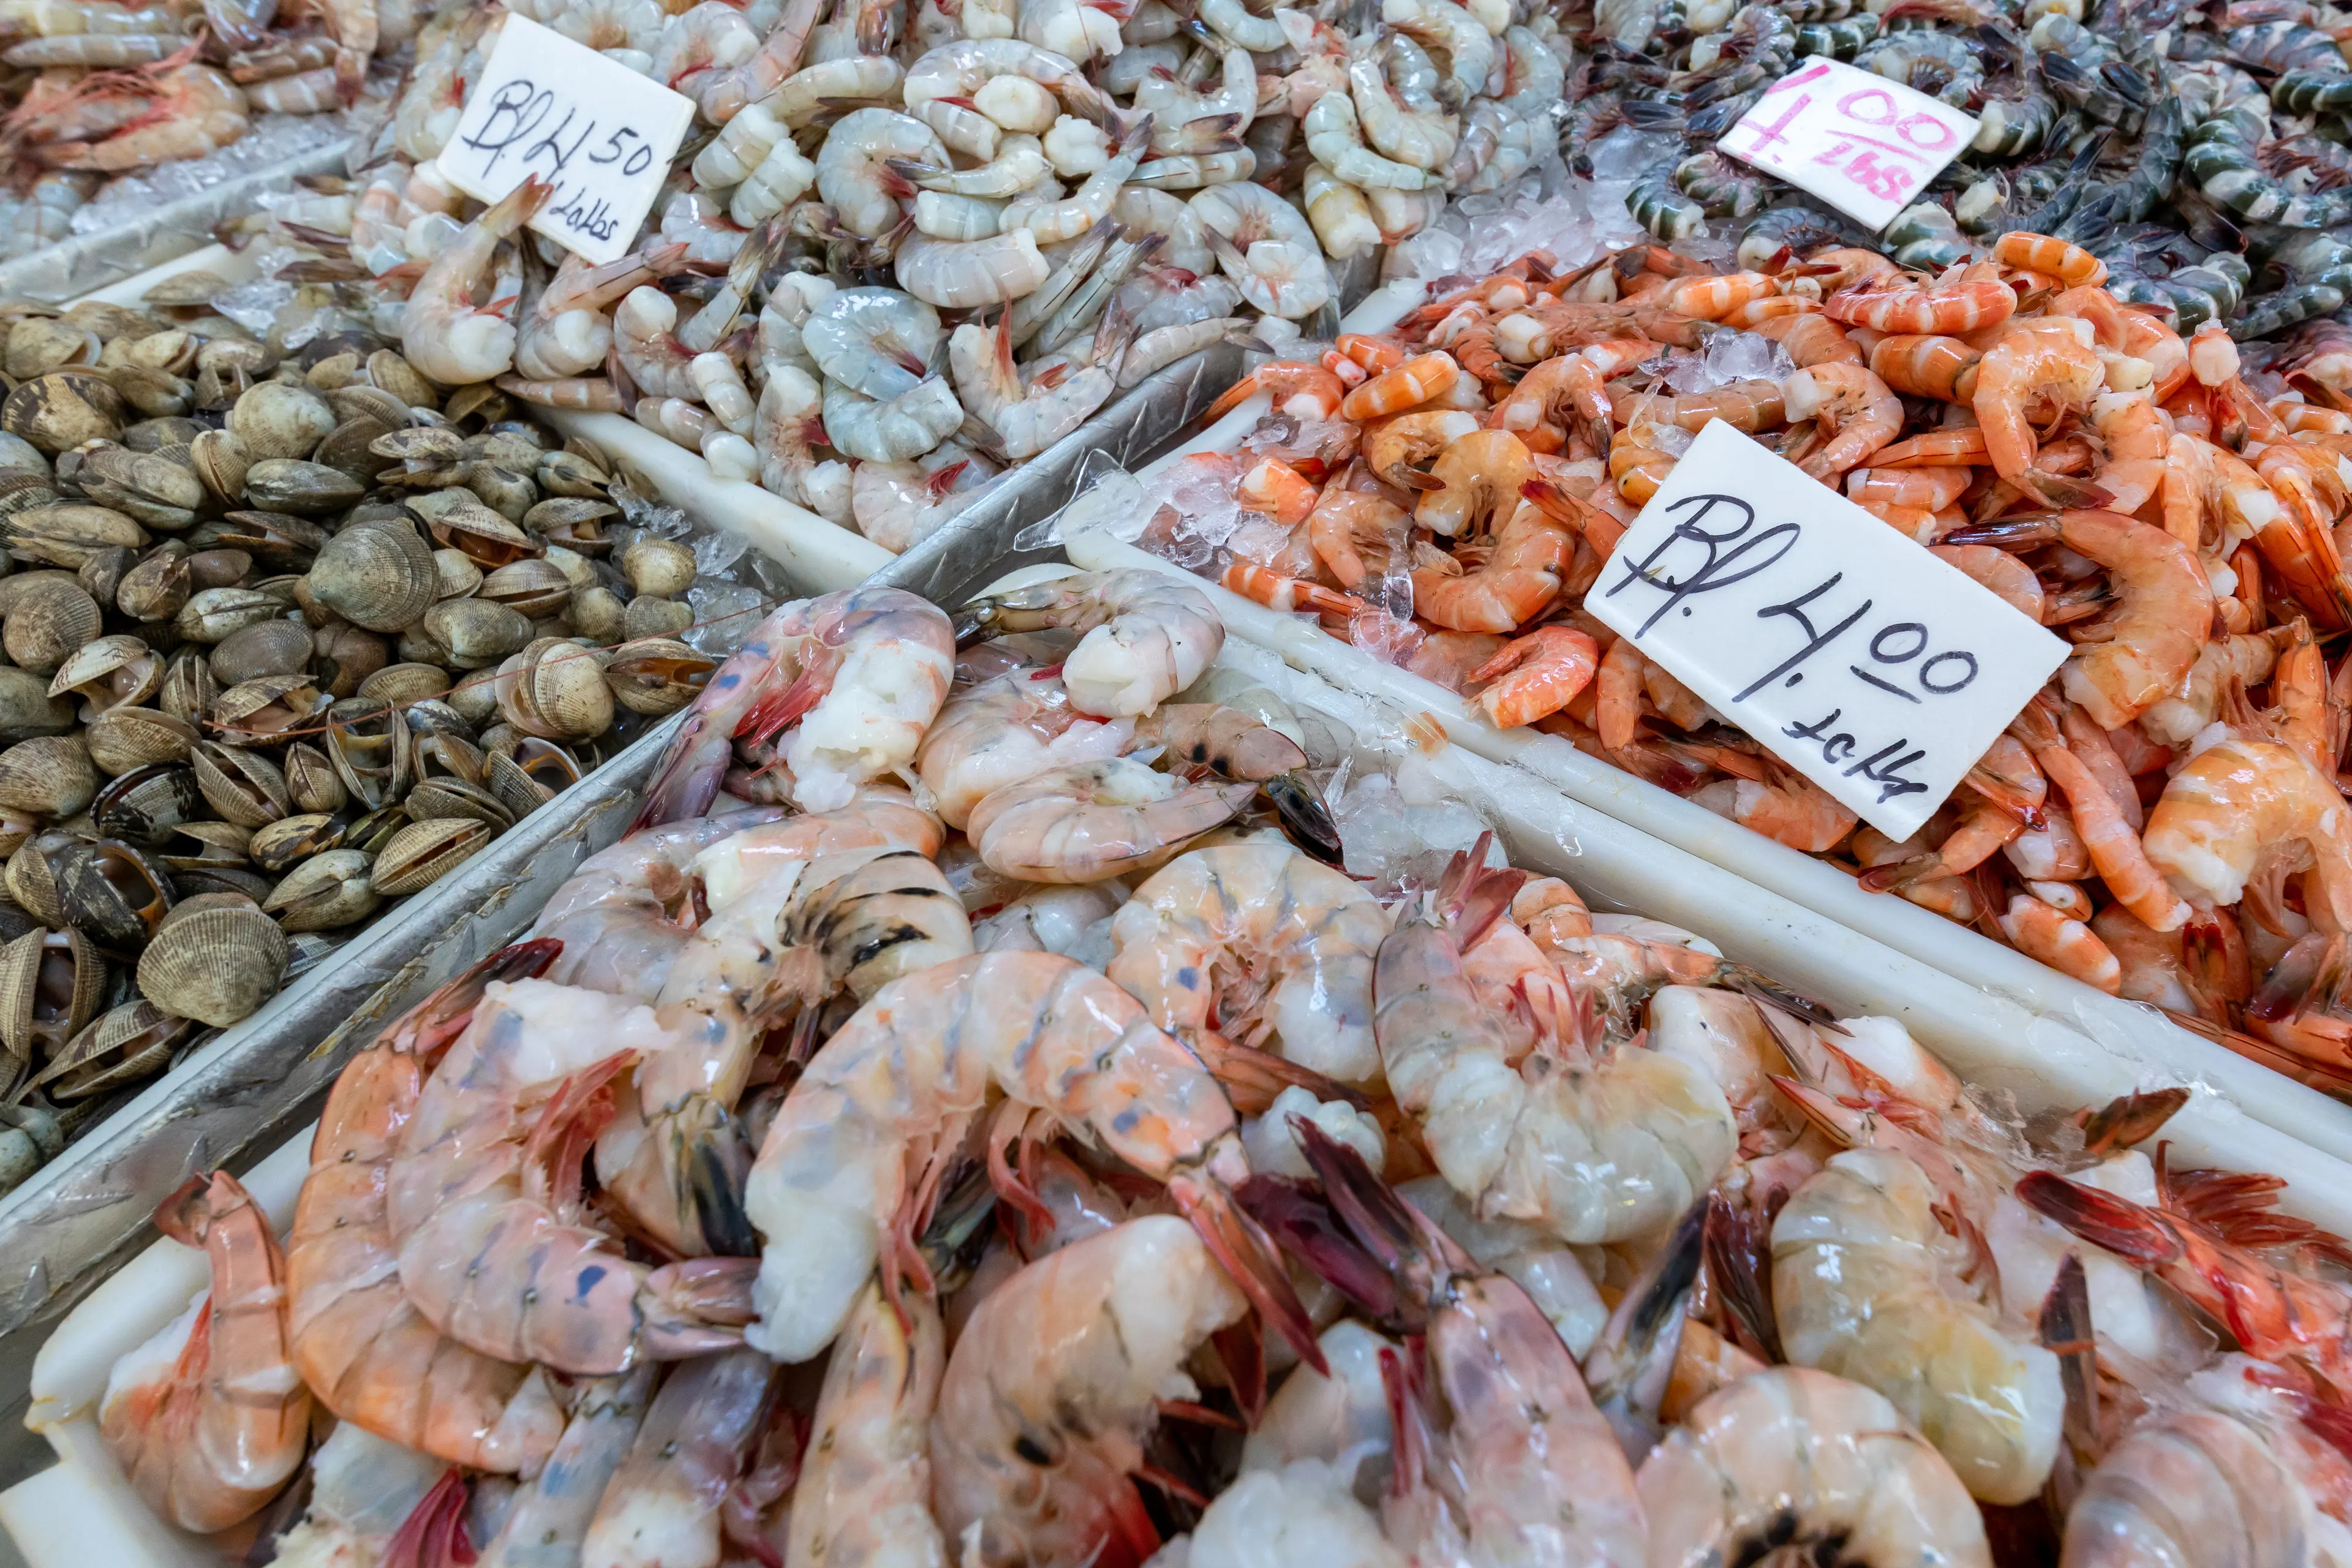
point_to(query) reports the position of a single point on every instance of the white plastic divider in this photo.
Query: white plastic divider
(813, 549)
(228, 266)
(2140, 1037)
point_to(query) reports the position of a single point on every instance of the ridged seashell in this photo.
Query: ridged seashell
(404, 683)
(346, 451)
(197, 845)
(68, 534)
(107, 673)
(282, 420)
(148, 486)
(394, 374)
(34, 870)
(267, 648)
(324, 891)
(26, 709)
(308, 949)
(377, 576)
(532, 773)
(193, 286)
(215, 614)
(149, 391)
(459, 576)
(475, 633)
(474, 699)
(215, 962)
(116, 892)
(659, 675)
(63, 410)
(423, 852)
(294, 838)
(101, 575)
(260, 711)
(49, 776)
(598, 614)
(447, 797)
(270, 539)
(220, 459)
(40, 343)
(188, 686)
(556, 690)
(648, 616)
(473, 406)
(122, 740)
(370, 745)
(243, 785)
(51, 983)
(371, 832)
(573, 474)
(457, 519)
(311, 781)
(219, 568)
(289, 484)
(120, 1046)
(343, 656)
(155, 588)
(14, 921)
(537, 588)
(662, 567)
(21, 491)
(47, 620)
(147, 805)
(504, 491)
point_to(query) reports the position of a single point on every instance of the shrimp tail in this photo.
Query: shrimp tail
(1253, 1078)
(776, 711)
(2118, 1225)
(717, 1167)
(2063, 1328)
(1304, 1221)
(1249, 1259)
(435, 1531)
(1630, 1362)
(1306, 819)
(1474, 895)
(193, 1208)
(689, 777)
(2052, 490)
(2129, 1118)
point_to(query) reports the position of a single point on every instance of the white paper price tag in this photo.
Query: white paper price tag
(1861, 144)
(1846, 650)
(602, 135)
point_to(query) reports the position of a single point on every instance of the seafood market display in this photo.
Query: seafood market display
(1070, 1164)
(2163, 822)
(289, 633)
(906, 246)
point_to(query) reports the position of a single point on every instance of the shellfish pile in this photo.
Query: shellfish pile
(289, 635)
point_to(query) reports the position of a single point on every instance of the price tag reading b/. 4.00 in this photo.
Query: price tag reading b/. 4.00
(1852, 653)
(602, 135)
(1864, 144)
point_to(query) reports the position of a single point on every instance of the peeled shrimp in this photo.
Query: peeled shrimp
(1148, 635)
(442, 332)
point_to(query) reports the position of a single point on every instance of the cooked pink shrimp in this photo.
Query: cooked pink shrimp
(1572, 381)
(1711, 298)
(209, 1417)
(1957, 448)
(2139, 449)
(1851, 407)
(1784, 806)
(2051, 363)
(1536, 674)
(1928, 489)
(1408, 385)
(2114, 847)
(1477, 480)
(2146, 338)
(1810, 339)
(2070, 264)
(835, 1186)
(1927, 365)
(2239, 800)
(1301, 390)
(1970, 303)
(444, 334)
(1279, 490)
(1346, 524)
(1998, 571)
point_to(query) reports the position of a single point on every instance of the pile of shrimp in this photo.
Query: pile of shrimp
(1058, 179)
(2163, 822)
(937, 1134)
(101, 87)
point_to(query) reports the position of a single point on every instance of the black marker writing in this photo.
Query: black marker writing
(1814, 641)
(515, 112)
(1717, 571)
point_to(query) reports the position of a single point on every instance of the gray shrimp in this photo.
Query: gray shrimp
(1841, 39)
(1661, 209)
(1723, 188)
(2222, 159)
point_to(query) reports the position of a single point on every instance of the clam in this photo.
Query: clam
(598, 614)
(272, 539)
(266, 647)
(148, 391)
(306, 950)
(423, 852)
(457, 519)
(286, 484)
(537, 588)
(311, 781)
(404, 683)
(657, 675)
(662, 567)
(371, 831)
(188, 686)
(242, 785)
(26, 709)
(294, 838)
(120, 1046)
(648, 616)
(155, 588)
(358, 404)
(574, 475)
(532, 773)
(49, 776)
(51, 983)
(475, 633)
(21, 491)
(66, 534)
(214, 615)
(107, 673)
(206, 844)
(503, 490)
(395, 375)
(152, 489)
(555, 690)
(459, 575)
(64, 409)
(218, 567)
(370, 746)
(324, 891)
(115, 892)
(34, 868)
(282, 420)
(125, 738)
(377, 576)
(215, 960)
(258, 712)
(447, 796)
(219, 459)
(147, 805)
(100, 575)
(39, 343)
(47, 619)
(345, 655)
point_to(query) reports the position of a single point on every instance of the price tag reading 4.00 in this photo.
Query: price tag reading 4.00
(1865, 145)
(1848, 652)
(602, 135)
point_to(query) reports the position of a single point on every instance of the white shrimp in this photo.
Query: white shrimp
(1336, 141)
(899, 505)
(815, 89)
(1154, 351)
(615, 915)
(787, 428)
(967, 68)
(1440, 25)
(1791, 1460)
(1328, 1416)
(790, 301)
(1266, 246)
(1545, 1268)
(1237, 23)
(1067, 218)
(893, 430)
(644, 340)
(1303, 1515)
(1012, 727)
(864, 1490)
(1074, 28)
(1177, 108)
(1019, 165)
(1058, 919)
(963, 218)
(1148, 635)
(442, 332)
(879, 342)
(1030, 414)
(551, 1514)
(1424, 139)
(1194, 171)
(1143, 211)
(566, 332)
(852, 172)
(661, 1508)
(959, 275)
(709, 38)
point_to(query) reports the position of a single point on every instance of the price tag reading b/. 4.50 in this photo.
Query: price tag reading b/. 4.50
(602, 135)
(1864, 144)
(1852, 653)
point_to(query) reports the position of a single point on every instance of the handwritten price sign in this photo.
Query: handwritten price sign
(1864, 144)
(602, 135)
(1850, 653)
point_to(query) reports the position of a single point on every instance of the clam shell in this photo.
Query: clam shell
(556, 690)
(107, 673)
(457, 519)
(598, 614)
(47, 776)
(63, 409)
(155, 588)
(188, 686)
(662, 567)
(444, 796)
(283, 843)
(260, 711)
(286, 484)
(659, 675)
(309, 948)
(126, 738)
(243, 785)
(537, 588)
(475, 632)
(367, 404)
(346, 451)
(573, 474)
(120, 1047)
(282, 420)
(219, 568)
(379, 577)
(215, 965)
(389, 371)
(404, 683)
(371, 747)
(205, 843)
(648, 616)
(460, 575)
(51, 983)
(324, 891)
(423, 852)
(115, 892)
(147, 805)
(68, 534)
(220, 459)
(33, 872)
(272, 539)
(26, 709)
(47, 620)
(311, 781)
(345, 655)
(214, 615)
(267, 648)
(530, 776)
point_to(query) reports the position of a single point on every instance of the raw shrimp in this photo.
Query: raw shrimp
(444, 334)
(1865, 1285)
(1086, 822)
(1006, 730)
(960, 274)
(1148, 635)
(1236, 745)
(865, 1489)
(566, 331)
(1266, 246)
(492, 1243)
(1278, 949)
(661, 1508)
(858, 675)
(1795, 1460)
(917, 1064)
(1029, 416)
(552, 1513)
(1590, 1148)
(209, 1417)
(189, 111)
(366, 1352)
(1056, 1381)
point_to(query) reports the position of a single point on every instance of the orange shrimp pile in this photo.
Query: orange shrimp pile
(2129, 489)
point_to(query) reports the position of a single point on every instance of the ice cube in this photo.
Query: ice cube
(724, 615)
